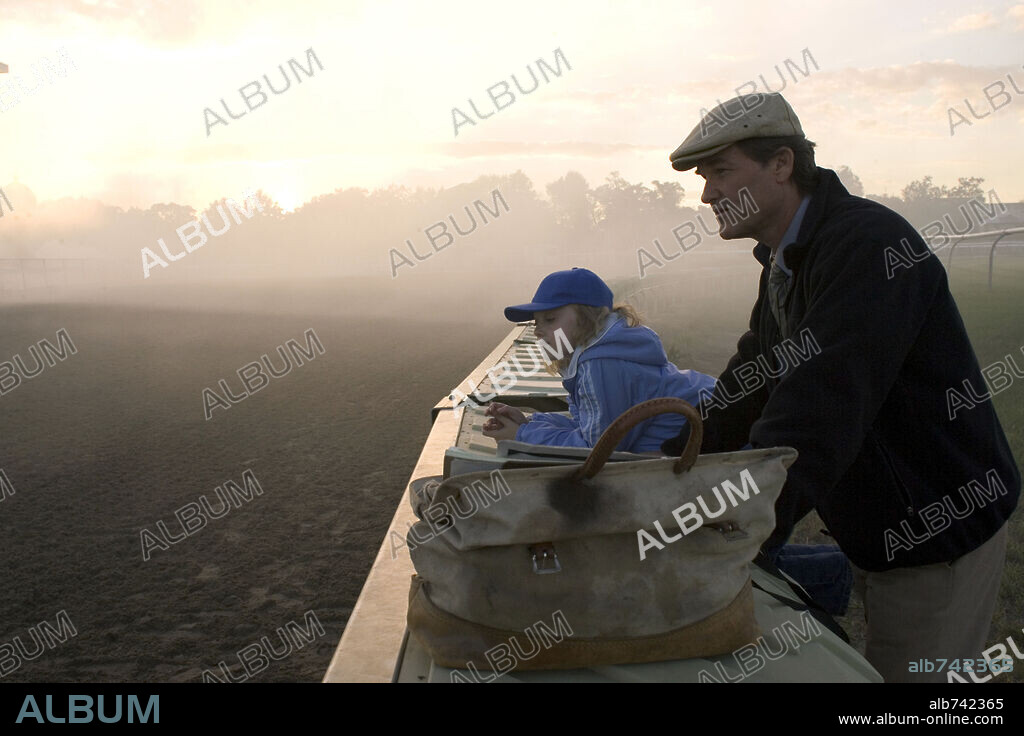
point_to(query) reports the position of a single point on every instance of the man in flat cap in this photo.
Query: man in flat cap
(849, 359)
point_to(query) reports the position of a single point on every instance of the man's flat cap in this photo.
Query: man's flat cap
(748, 116)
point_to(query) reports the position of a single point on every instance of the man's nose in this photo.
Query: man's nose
(706, 195)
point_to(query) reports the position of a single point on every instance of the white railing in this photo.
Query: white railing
(23, 276)
(997, 234)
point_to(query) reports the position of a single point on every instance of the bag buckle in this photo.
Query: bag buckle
(545, 560)
(730, 531)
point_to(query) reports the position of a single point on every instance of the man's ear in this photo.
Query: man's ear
(782, 164)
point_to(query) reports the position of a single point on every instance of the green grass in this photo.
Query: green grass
(702, 334)
(993, 319)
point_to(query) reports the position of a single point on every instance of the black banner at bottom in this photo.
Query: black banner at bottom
(343, 706)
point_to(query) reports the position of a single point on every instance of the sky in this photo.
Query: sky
(121, 115)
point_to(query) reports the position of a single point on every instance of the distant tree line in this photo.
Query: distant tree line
(353, 231)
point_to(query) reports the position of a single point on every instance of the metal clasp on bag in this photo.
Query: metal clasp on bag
(545, 560)
(730, 531)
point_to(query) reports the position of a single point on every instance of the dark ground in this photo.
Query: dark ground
(113, 439)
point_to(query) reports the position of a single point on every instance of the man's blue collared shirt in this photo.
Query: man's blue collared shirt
(778, 288)
(789, 237)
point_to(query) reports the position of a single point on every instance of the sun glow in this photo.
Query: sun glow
(288, 200)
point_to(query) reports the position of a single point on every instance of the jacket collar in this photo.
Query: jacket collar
(824, 198)
(610, 321)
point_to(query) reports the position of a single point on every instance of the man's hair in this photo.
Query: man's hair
(805, 171)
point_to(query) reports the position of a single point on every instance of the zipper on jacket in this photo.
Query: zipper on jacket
(904, 492)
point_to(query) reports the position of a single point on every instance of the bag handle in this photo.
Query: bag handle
(618, 429)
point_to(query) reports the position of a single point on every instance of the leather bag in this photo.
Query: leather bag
(592, 564)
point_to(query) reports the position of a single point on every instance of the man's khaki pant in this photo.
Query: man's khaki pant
(932, 612)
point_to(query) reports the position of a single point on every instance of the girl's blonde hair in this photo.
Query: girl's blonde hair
(590, 320)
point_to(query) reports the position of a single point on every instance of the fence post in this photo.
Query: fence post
(949, 263)
(992, 256)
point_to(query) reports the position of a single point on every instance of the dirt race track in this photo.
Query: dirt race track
(113, 439)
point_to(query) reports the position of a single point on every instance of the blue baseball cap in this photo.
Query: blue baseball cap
(576, 286)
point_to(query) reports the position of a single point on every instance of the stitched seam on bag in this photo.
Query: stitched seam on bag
(440, 614)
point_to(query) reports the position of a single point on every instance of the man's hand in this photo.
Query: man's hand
(504, 421)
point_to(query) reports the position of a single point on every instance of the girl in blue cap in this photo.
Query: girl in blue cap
(615, 363)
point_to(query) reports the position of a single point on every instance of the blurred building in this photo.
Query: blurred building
(1012, 217)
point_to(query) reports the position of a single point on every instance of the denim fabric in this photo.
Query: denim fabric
(822, 570)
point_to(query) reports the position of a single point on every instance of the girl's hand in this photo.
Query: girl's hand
(497, 409)
(504, 422)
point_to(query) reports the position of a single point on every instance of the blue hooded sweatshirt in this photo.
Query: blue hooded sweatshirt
(620, 368)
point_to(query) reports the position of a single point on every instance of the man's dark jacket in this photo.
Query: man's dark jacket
(864, 395)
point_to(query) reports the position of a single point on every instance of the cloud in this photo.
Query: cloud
(911, 99)
(729, 58)
(904, 100)
(159, 20)
(922, 76)
(1017, 13)
(574, 149)
(920, 79)
(973, 22)
(632, 94)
